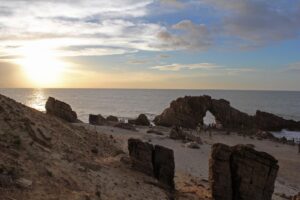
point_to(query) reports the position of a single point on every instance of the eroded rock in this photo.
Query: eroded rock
(240, 172)
(188, 112)
(61, 109)
(112, 118)
(97, 119)
(141, 120)
(156, 161)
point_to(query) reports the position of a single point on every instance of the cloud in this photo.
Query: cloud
(107, 27)
(258, 22)
(186, 35)
(293, 68)
(178, 67)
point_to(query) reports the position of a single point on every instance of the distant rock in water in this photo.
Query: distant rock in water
(61, 109)
(271, 122)
(97, 119)
(240, 172)
(189, 111)
(142, 120)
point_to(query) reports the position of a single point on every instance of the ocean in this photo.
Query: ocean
(129, 103)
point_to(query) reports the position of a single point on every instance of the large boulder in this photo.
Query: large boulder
(270, 122)
(112, 118)
(240, 172)
(164, 166)
(156, 161)
(97, 120)
(141, 156)
(188, 112)
(141, 120)
(60, 109)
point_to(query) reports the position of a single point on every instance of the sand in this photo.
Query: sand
(192, 164)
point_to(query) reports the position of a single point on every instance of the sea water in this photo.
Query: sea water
(129, 103)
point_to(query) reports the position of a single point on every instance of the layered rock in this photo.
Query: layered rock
(141, 154)
(112, 118)
(271, 122)
(188, 112)
(141, 120)
(156, 161)
(61, 109)
(240, 172)
(97, 119)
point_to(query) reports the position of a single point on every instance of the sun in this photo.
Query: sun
(41, 65)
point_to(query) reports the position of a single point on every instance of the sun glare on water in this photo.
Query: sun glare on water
(41, 65)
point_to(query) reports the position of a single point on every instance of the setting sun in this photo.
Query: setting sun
(41, 65)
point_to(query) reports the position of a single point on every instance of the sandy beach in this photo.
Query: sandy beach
(193, 163)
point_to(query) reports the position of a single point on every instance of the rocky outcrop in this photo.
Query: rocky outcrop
(141, 120)
(176, 133)
(156, 161)
(97, 119)
(188, 112)
(112, 118)
(61, 109)
(270, 122)
(141, 154)
(240, 172)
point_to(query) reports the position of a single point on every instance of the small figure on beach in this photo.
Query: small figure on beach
(298, 147)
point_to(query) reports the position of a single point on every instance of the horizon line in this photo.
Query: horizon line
(99, 88)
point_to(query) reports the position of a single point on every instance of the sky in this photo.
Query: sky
(188, 44)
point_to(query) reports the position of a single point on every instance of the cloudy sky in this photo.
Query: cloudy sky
(198, 44)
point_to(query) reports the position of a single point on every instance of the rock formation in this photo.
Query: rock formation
(240, 172)
(97, 119)
(112, 118)
(141, 120)
(156, 161)
(270, 122)
(188, 112)
(60, 109)
(141, 154)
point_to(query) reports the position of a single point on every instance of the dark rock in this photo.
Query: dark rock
(61, 109)
(271, 122)
(142, 120)
(97, 120)
(188, 112)
(193, 145)
(155, 161)
(125, 126)
(112, 118)
(141, 154)
(164, 166)
(240, 172)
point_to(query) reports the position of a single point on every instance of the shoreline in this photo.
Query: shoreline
(194, 162)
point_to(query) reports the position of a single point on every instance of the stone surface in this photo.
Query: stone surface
(188, 112)
(164, 166)
(60, 109)
(97, 119)
(270, 122)
(112, 118)
(156, 161)
(193, 145)
(141, 154)
(141, 120)
(240, 172)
